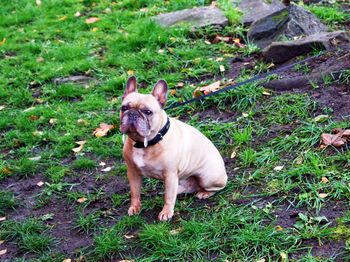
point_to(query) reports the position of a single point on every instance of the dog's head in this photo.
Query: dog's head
(141, 116)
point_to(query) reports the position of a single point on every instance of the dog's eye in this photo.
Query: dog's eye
(148, 112)
(124, 108)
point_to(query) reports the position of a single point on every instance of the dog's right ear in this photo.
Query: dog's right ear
(130, 87)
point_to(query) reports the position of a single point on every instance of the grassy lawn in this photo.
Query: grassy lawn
(287, 199)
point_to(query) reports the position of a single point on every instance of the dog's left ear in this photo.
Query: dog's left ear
(160, 92)
(131, 86)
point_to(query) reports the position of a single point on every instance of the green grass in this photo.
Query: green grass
(270, 143)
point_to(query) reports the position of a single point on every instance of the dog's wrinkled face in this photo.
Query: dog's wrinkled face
(140, 114)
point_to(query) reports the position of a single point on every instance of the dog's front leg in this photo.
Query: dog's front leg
(171, 183)
(135, 181)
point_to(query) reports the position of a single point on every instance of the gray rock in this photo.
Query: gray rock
(279, 52)
(293, 21)
(254, 10)
(78, 79)
(196, 17)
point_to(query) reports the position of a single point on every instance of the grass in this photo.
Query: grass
(270, 142)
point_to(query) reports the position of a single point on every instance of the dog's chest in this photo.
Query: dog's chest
(148, 167)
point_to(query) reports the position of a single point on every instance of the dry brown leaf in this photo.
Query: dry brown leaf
(233, 154)
(82, 122)
(265, 93)
(53, 121)
(130, 72)
(210, 88)
(92, 20)
(6, 171)
(346, 132)
(324, 180)
(81, 200)
(107, 169)
(129, 236)
(67, 260)
(335, 140)
(3, 252)
(279, 228)
(2, 242)
(80, 147)
(102, 130)
(180, 85)
(213, 4)
(173, 92)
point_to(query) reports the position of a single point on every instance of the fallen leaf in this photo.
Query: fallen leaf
(176, 231)
(2, 107)
(2, 242)
(67, 260)
(161, 51)
(283, 256)
(279, 228)
(222, 68)
(219, 38)
(126, 260)
(278, 168)
(38, 2)
(92, 20)
(95, 29)
(82, 122)
(37, 133)
(330, 139)
(171, 50)
(29, 109)
(130, 72)
(2, 219)
(324, 180)
(81, 200)
(322, 195)
(39, 100)
(80, 147)
(346, 132)
(3, 252)
(102, 130)
(53, 121)
(3, 41)
(213, 4)
(6, 171)
(40, 59)
(129, 236)
(40, 183)
(265, 93)
(219, 59)
(77, 14)
(320, 118)
(261, 260)
(237, 42)
(145, 10)
(173, 92)
(180, 84)
(210, 88)
(245, 114)
(207, 42)
(233, 154)
(33, 117)
(62, 18)
(35, 158)
(102, 164)
(107, 169)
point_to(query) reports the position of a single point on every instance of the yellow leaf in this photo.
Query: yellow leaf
(222, 68)
(53, 121)
(265, 93)
(2, 242)
(80, 147)
(2, 107)
(67, 260)
(210, 88)
(102, 130)
(3, 41)
(92, 20)
(62, 18)
(95, 29)
(82, 122)
(81, 200)
(279, 228)
(130, 72)
(38, 2)
(283, 256)
(3, 252)
(77, 14)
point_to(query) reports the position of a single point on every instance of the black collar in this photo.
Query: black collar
(157, 138)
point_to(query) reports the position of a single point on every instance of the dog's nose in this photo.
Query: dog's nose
(133, 116)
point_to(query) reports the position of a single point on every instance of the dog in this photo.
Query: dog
(167, 149)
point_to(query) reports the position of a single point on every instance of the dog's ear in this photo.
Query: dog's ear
(130, 87)
(160, 92)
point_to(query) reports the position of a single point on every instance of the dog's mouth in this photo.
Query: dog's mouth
(135, 125)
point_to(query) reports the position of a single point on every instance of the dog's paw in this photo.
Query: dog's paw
(166, 214)
(134, 210)
(204, 194)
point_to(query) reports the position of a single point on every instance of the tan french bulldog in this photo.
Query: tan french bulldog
(167, 149)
